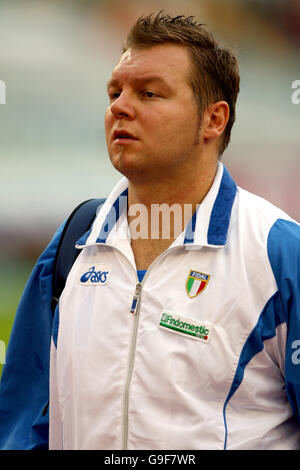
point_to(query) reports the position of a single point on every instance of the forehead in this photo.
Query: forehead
(169, 62)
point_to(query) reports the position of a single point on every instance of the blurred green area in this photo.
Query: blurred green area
(13, 277)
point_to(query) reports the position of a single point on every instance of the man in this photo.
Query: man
(186, 340)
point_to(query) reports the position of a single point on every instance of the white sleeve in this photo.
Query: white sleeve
(55, 422)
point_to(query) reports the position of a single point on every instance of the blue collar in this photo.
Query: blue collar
(207, 227)
(220, 214)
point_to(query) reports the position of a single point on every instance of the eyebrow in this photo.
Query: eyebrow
(114, 82)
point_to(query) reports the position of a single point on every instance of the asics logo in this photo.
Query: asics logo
(93, 276)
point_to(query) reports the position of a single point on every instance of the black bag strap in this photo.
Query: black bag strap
(78, 223)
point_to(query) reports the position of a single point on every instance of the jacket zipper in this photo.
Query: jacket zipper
(136, 298)
(135, 311)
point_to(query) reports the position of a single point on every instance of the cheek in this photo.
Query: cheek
(108, 118)
(188, 126)
(177, 129)
(108, 122)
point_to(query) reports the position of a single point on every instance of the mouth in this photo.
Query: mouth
(123, 137)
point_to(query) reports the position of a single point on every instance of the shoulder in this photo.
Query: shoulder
(262, 222)
(263, 217)
(277, 236)
(269, 232)
(259, 209)
(284, 255)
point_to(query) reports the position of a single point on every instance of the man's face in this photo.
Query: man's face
(152, 123)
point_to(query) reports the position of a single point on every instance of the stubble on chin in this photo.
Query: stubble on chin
(126, 163)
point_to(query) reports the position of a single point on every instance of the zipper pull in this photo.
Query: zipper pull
(136, 298)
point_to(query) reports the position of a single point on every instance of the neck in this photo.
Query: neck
(165, 207)
(171, 190)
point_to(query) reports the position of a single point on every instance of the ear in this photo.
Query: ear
(215, 119)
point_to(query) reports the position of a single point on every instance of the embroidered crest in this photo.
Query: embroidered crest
(196, 283)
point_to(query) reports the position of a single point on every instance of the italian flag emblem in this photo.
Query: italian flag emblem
(196, 283)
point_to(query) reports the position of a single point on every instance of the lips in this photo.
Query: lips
(121, 134)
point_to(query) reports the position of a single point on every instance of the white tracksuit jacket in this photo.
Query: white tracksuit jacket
(209, 359)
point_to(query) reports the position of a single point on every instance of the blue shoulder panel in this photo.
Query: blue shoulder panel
(282, 307)
(265, 328)
(284, 255)
(24, 387)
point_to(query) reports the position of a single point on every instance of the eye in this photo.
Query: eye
(113, 96)
(149, 94)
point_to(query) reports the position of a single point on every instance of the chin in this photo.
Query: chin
(128, 165)
(126, 170)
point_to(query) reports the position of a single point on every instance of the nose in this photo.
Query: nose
(122, 107)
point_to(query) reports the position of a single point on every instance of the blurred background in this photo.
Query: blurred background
(55, 59)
